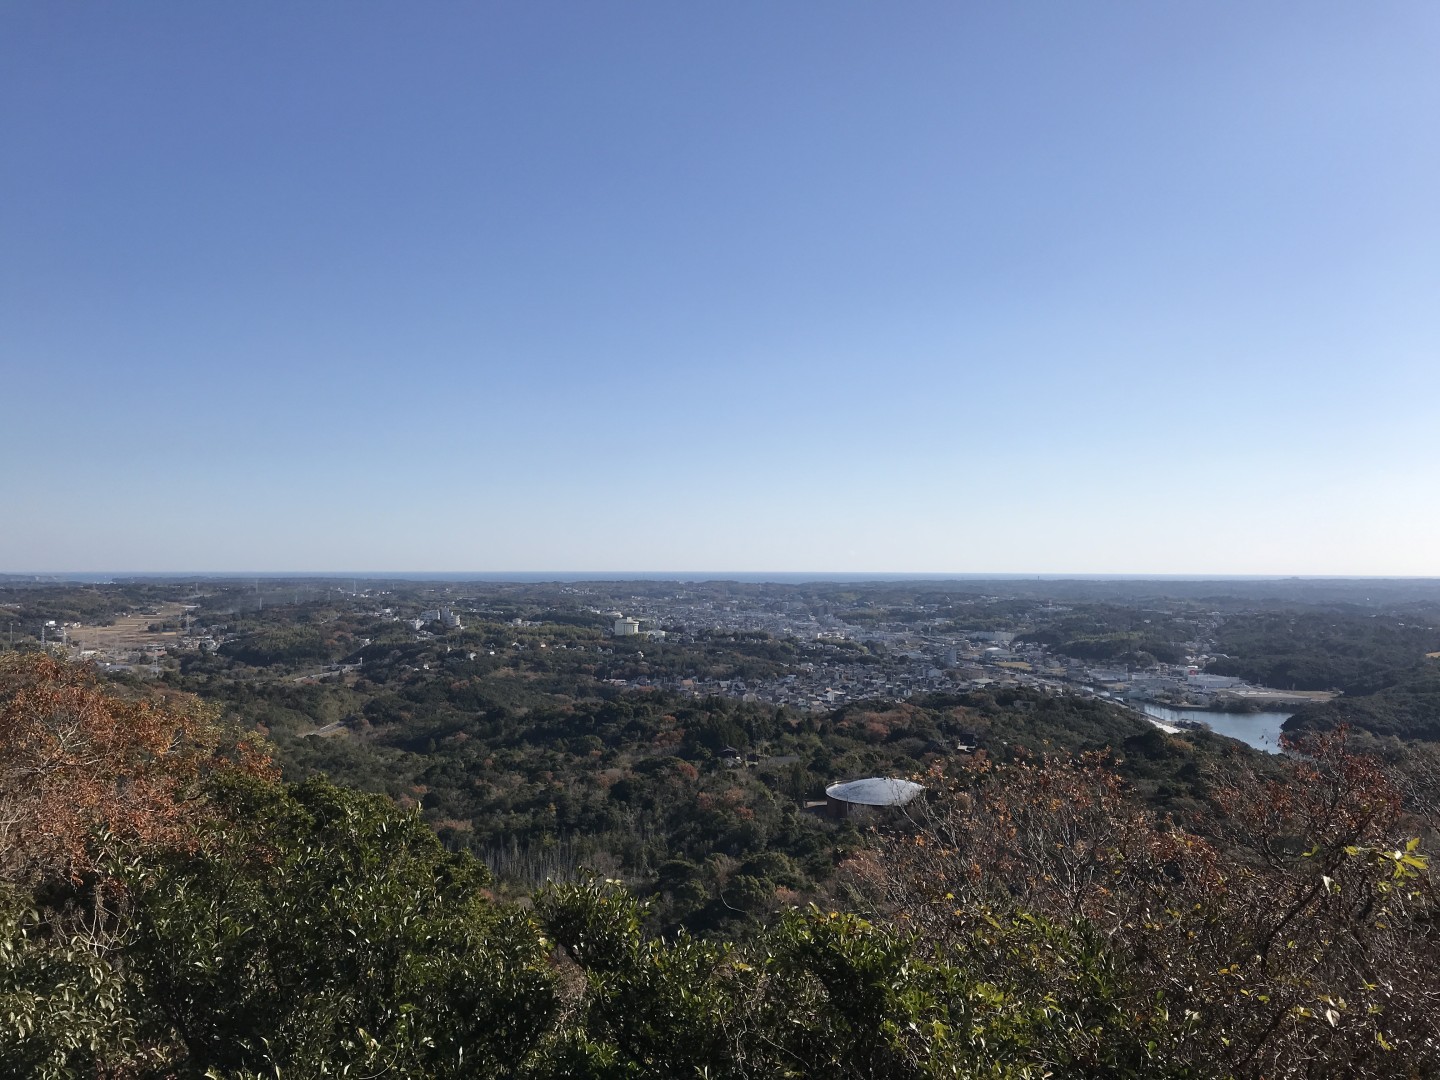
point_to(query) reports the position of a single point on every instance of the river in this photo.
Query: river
(1258, 729)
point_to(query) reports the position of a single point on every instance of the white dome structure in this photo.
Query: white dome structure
(840, 799)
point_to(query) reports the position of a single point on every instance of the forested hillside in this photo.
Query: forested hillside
(169, 907)
(1406, 708)
(1357, 654)
(528, 755)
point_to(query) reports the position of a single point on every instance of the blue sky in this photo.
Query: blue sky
(1045, 287)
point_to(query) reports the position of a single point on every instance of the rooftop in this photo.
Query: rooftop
(875, 791)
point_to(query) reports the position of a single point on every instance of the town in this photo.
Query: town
(841, 646)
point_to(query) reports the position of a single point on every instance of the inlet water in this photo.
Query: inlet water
(1258, 729)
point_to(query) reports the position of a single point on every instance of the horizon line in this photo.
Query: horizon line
(701, 575)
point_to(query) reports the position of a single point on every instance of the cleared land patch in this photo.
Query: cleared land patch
(130, 633)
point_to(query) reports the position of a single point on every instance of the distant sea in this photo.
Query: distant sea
(749, 577)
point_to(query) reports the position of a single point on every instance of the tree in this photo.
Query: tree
(90, 783)
(319, 929)
(1294, 935)
(83, 770)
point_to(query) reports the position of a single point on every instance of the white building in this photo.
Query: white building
(443, 615)
(1201, 681)
(626, 627)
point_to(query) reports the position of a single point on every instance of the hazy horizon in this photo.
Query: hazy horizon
(1118, 288)
(747, 576)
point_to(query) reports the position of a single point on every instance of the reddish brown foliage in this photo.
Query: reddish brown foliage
(79, 765)
(879, 724)
(1299, 931)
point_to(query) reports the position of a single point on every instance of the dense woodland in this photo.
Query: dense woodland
(171, 908)
(530, 759)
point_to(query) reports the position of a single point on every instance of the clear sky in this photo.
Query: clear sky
(971, 287)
